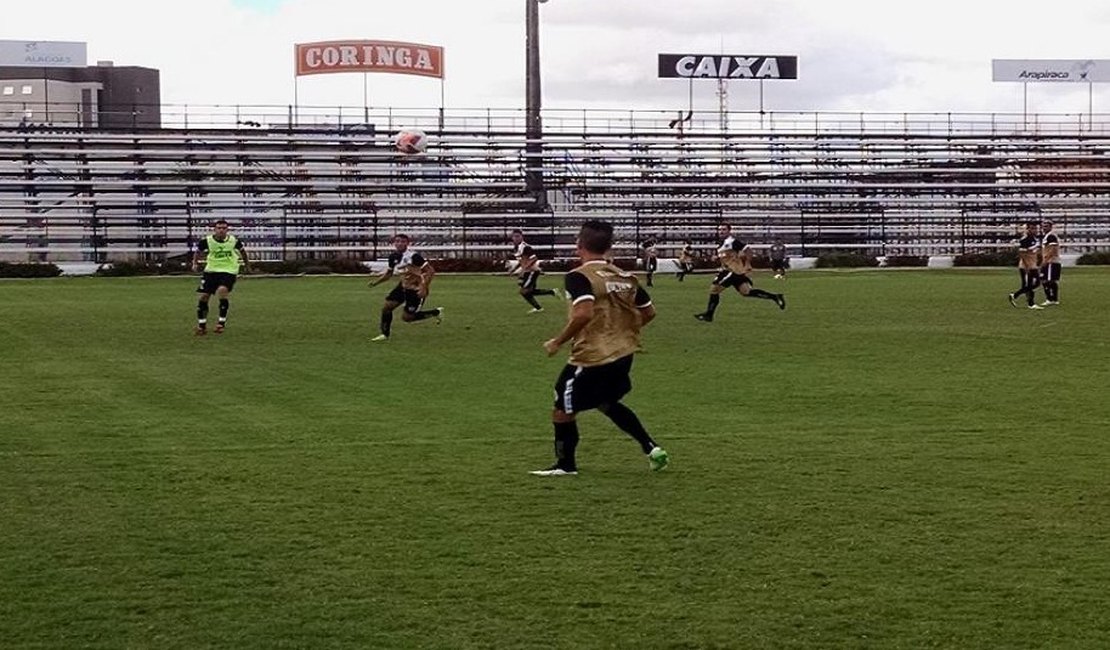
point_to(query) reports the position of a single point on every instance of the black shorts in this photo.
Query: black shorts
(210, 282)
(583, 388)
(409, 297)
(528, 279)
(726, 278)
(650, 264)
(1051, 272)
(778, 265)
(1030, 277)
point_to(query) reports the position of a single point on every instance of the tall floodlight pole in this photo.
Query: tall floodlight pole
(533, 175)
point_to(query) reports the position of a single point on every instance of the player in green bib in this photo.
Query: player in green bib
(222, 254)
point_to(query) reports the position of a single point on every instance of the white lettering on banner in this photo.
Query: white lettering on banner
(737, 67)
(744, 67)
(770, 68)
(385, 56)
(706, 68)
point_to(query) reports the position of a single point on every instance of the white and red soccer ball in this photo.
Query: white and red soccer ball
(411, 141)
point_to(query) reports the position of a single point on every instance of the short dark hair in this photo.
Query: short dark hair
(518, 231)
(401, 235)
(223, 221)
(596, 236)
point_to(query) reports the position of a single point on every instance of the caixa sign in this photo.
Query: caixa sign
(728, 66)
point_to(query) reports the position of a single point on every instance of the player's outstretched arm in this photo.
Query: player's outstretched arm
(427, 272)
(244, 260)
(382, 277)
(580, 316)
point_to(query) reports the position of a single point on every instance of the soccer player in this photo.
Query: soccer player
(609, 308)
(651, 258)
(528, 268)
(685, 260)
(416, 277)
(777, 253)
(736, 264)
(1028, 247)
(1050, 264)
(222, 254)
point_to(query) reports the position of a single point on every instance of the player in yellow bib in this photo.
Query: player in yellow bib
(222, 254)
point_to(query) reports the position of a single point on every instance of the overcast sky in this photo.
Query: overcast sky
(854, 55)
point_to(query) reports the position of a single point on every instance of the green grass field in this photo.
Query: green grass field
(899, 460)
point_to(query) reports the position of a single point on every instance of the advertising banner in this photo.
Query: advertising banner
(1051, 70)
(369, 56)
(727, 66)
(44, 54)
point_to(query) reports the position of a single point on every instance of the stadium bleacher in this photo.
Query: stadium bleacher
(931, 188)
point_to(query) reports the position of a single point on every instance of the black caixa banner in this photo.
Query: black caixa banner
(728, 66)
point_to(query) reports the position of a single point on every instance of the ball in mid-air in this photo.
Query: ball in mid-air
(411, 141)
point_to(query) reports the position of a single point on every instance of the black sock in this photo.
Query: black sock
(224, 306)
(566, 441)
(387, 322)
(543, 292)
(531, 301)
(649, 278)
(714, 300)
(760, 293)
(202, 312)
(427, 313)
(679, 275)
(626, 420)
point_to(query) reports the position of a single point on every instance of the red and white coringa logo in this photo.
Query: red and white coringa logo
(369, 56)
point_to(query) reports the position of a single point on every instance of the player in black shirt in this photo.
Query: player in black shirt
(416, 277)
(651, 258)
(1050, 264)
(685, 260)
(527, 266)
(777, 254)
(1028, 248)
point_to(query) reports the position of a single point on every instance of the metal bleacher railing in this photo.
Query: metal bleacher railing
(325, 182)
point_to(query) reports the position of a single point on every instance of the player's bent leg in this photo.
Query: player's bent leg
(224, 306)
(626, 421)
(714, 301)
(566, 442)
(386, 324)
(527, 293)
(202, 315)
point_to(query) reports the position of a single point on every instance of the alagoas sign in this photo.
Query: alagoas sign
(727, 66)
(369, 56)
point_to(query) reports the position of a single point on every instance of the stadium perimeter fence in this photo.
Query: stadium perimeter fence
(299, 184)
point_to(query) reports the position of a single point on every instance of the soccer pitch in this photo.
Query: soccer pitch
(899, 459)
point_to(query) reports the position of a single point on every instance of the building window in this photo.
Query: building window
(26, 90)
(9, 90)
